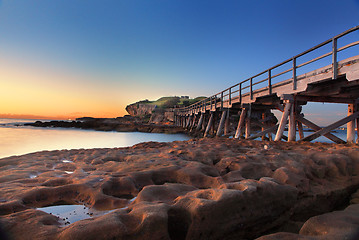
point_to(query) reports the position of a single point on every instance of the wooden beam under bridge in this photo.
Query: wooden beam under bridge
(315, 127)
(331, 127)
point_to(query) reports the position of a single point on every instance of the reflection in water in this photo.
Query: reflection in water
(68, 214)
(17, 140)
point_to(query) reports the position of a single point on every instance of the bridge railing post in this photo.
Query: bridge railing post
(334, 58)
(269, 81)
(221, 101)
(240, 93)
(251, 88)
(294, 73)
(230, 96)
(215, 101)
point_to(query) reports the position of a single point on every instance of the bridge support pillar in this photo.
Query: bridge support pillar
(352, 108)
(263, 127)
(291, 125)
(177, 120)
(283, 121)
(248, 123)
(193, 122)
(189, 120)
(221, 124)
(209, 125)
(205, 117)
(226, 124)
(200, 122)
(241, 123)
(300, 130)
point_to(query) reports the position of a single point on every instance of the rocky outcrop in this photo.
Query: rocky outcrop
(157, 115)
(160, 110)
(140, 110)
(330, 226)
(123, 124)
(199, 189)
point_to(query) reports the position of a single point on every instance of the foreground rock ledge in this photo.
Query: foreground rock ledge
(198, 189)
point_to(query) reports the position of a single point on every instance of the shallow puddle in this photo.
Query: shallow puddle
(66, 161)
(72, 213)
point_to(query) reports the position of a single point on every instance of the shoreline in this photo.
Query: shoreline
(181, 189)
(124, 124)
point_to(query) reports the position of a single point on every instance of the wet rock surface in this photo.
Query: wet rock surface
(198, 189)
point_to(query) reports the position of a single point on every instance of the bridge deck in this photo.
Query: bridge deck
(310, 86)
(256, 96)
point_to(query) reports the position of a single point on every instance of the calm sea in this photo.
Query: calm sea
(18, 140)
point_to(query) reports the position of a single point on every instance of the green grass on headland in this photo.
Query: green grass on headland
(171, 102)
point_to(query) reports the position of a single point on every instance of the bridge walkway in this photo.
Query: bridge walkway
(253, 99)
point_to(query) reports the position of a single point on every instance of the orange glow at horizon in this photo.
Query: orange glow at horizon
(28, 91)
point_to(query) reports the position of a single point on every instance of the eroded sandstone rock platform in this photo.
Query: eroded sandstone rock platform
(198, 189)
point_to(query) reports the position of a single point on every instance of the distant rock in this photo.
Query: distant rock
(138, 109)
(120, 124)
(159, 111)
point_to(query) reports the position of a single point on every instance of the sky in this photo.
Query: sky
(73, 58)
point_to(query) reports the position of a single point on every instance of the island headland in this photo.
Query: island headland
(143, 116)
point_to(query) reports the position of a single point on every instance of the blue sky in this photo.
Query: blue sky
(118, 52)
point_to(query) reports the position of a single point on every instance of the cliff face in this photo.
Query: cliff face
(159, 110)
(138, 109)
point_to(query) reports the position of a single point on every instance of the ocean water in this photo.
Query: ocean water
(18, 140)
(342, 134)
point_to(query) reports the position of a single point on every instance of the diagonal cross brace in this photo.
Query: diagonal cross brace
(331, 127)
(315, 127)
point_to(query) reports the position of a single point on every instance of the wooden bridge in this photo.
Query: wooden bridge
(246, 107)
